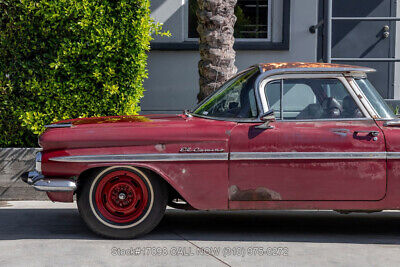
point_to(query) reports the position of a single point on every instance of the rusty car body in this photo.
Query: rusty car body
(276, 136)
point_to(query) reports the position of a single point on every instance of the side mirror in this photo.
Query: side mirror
(267, 118)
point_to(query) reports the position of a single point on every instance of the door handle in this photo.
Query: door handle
(371, 133)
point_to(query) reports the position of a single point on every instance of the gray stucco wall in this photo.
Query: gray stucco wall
(13, 162)
(173, 79)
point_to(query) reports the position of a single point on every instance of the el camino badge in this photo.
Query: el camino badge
(200, 150)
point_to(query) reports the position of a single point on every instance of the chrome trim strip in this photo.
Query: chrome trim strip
(393, 155)
(59, 125)
(392, 123)
(306, 155)
(327, 119)
(143, 157)
(233, 156)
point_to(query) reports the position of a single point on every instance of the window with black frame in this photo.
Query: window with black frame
(253, 19)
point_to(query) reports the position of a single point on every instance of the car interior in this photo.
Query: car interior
(311, 99)
(303, 99)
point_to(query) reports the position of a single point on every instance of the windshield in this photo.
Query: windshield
(235, 99)
(375, 99)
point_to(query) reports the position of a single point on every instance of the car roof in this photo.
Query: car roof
(283, 67)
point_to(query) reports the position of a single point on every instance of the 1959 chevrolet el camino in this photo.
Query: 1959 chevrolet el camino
(276, 136)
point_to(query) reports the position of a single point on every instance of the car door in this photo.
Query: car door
(322, 146)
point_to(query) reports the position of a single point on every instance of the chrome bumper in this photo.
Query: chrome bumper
(41, 183)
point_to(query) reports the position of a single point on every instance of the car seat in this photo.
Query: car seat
(332, 108)
(350, 108)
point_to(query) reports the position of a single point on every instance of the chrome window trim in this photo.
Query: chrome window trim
(264, 102)
(361, 96)
(353, 93)
(306, 155)
(384, 119)
(345, 71)
(245, 120)
(257, 120)
(143, 157)
(266, 76)
(371, 108)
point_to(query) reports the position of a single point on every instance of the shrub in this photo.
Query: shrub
(62, 59)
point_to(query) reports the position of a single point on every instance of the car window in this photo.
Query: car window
(274, 97)
(296, 96)
(311, 99)
(235, 99)
(375, 99)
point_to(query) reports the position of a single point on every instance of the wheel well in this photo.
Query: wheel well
(172, 193)
(80, 180)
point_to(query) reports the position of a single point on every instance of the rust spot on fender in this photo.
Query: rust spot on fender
(258, 194)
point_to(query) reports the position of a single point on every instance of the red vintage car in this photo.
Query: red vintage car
(276, 136)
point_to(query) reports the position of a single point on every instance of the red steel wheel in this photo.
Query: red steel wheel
(121, 196)
(122, 201)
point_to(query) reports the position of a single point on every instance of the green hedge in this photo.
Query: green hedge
(62, 59)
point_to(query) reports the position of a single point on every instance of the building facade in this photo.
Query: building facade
(273, 31)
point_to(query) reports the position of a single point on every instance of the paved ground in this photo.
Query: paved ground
(40, 233)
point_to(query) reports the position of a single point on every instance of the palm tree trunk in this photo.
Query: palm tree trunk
(216, 19)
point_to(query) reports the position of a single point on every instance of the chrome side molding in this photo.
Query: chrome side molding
(171, 157)
(143, 157)
(392, 123)
(393, 155)
(59, 125)
(306, 155)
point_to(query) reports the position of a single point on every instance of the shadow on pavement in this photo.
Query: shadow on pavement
(251, 226)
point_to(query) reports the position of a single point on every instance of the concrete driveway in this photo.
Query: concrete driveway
(41, 233)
